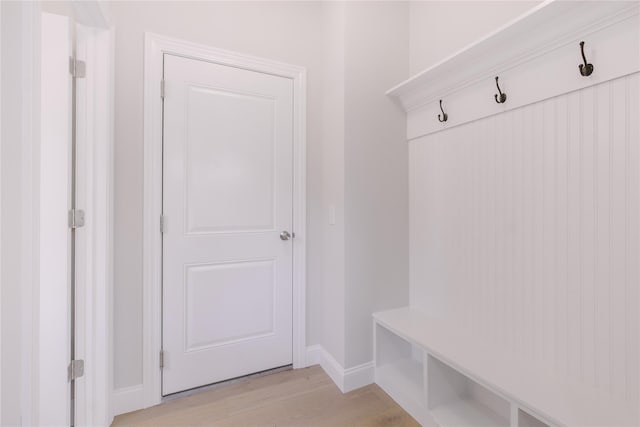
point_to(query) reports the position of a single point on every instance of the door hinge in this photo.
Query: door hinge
(76, 369)
(163, 224)
(77, 68)
(76, 218)
(161, 359)
(162, 88)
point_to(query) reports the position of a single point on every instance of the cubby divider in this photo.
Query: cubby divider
(457, 401)
(527, 420)
(400, 370)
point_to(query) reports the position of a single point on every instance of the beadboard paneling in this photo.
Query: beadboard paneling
(525, 230)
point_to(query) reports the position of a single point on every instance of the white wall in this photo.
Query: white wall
(440, 28)
(11, 156)
(20, 132)
(364, 174)
(287, 32)
(329, 291)
(356, 154)
(376, 182)
(311, 34)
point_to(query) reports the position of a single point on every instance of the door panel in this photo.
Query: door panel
(231, 162)
(216, 295)
(227, 195)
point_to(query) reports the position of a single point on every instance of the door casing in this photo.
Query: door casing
(155, 48)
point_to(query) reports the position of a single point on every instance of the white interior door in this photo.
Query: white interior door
(227, 197)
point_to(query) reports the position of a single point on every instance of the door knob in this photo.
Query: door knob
(285, 235)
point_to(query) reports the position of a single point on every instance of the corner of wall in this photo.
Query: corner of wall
(128, 399)
(346, 379)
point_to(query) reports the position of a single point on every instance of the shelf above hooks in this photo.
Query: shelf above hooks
(536, 65)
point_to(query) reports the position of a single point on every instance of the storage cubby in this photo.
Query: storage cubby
(446, 377)
(456, 400)
(527, 420)
(400, 370)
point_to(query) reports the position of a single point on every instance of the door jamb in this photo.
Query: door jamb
(94, 254)
(155, 48)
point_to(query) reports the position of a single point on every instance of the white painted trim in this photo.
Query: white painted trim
(1, 287)
(155, 47)
(128, 399)
(358, 376)
(345, 379)
(500, 49)
(54, 239)
(532, 64)
(313, 355)
(94, 302)
(332, 368)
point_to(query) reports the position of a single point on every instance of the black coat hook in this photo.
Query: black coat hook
(585, 69)
(444, 115)
(500, 97)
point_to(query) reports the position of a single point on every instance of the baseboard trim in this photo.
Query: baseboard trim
(314, 355)
(128, 399)
(346, 379)
(333, 369)
(358, 376)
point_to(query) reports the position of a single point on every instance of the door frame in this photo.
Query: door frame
(155, 46)
(95, 42)
(28, 382)
(93, 39)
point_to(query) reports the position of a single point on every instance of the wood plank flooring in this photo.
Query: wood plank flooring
(302, 397)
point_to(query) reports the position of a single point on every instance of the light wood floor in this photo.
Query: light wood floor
(302, 397)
